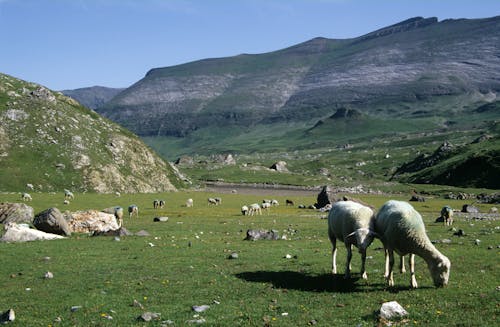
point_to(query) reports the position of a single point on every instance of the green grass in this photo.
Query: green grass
(105, 276)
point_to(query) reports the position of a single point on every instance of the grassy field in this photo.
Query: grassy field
(185, 262)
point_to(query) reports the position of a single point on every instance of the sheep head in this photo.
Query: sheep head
(440, 271)
(362, 238)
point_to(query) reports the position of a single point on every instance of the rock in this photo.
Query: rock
(255, 234)
(19, 233)
(460, 232)
(137, 304)
(52, 221)
(142, 233)
(160, 219)
(92, 221)
(279, 166)
(148, 316)
(392, 310)
(233, 255)
(16, 212)
(184, 160)
(326, 196)
(469, 208)
(8, 316)
(200, 308)
(122, 231)
(48, 275)
(417, 198)
(75, 308)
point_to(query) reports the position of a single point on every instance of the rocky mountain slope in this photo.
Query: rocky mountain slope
(93, 97)
(416, 68)
(52, 142)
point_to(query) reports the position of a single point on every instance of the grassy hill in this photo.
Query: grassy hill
(52, 142)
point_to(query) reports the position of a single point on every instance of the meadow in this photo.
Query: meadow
(184, 262)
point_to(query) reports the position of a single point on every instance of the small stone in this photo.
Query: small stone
(391, 310)
(460, 232)
(288, 256)
(477, 241)
(490, 247)
(160, 219)
(200, 308)
(196, 321)
(48, 275)
(312, 322)
(446, 241)
(151, 244)
(116, 239)
(58, 320)
(137, 304)
(233, 255)
(75, 308)
(46, 258)
(148, 316)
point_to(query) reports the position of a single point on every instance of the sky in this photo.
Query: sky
(68, 44)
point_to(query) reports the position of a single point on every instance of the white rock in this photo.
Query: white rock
(391, 310)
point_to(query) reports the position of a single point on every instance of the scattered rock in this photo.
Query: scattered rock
(8, 316)
(149, 316)
(279, 166)
(137, 304)
(91, 221)
(75, 308)
(142, 233)
(160, 219)
(52, 221)
(200, 308)
(469, 208)
(417, 198)
(233, 255)
(48, 275)
(117, 233)
(477, 241)
(16, 212)
(20, 233)
(460, 232)
(256, 234)
(196, 321)
(392, 310)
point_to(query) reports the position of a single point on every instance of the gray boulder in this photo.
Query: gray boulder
(469, 209)
(280, 166)
(22, 233)
(259, 234)
(52, 221)
(16, 212)
(326, 196)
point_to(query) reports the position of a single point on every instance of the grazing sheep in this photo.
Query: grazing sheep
(68, 195)
(266, 206)
(30, 187)
(161, 204)
(218, 200)
(254, 208)
(156, 204)
(401, 229)
(275, 203)
(189, 203)
(118, 194)
(266, 201)
(133, 209)
(212, 201)
(289, 202)
(447, 215)
(353, 224)
(119, 215)
(244, 210)
(26, 197)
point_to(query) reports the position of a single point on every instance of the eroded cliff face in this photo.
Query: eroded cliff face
(52, 142)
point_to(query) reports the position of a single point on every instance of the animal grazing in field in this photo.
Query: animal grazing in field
(189, 203)
(119, 215)
(447, 215)
(26, 197)
(289, 202)
(156, 204)
(133, 209)
(266, 201)
(68, 195)
(275, 203)
(265, 206)
(244, 210)
(254, 209)
(218, 200)
(353, 224)
(401, 229)
(161, 204)
(212, 201)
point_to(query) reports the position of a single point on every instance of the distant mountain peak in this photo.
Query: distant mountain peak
(404, 26)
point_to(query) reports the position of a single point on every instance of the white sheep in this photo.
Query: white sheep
(353, 224)
(133, 209)
(447, 215)
(401, 229)
(254, 208)
(26, 197)
(189, 203)
(212, 201)
(244, 210)
(265, 206)
(161, 204)
(68, 195)
(275, 203)
(118, 194)
(118, 211)
(218, 200)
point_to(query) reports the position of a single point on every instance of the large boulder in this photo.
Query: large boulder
(22, 233)
(52, 221)
(279, 166)
(259, 234)
(16, 212)
(92, 221)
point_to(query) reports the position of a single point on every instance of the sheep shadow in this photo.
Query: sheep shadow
(310, 283)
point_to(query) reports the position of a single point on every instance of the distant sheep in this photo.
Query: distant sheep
(26, 197)
(68, 195)
(189, 203)
(244, 210)
(30, 187)
(118, 211)
(275, 203)
(118, 194)
(212, 201)
(218, 200)
(401, 229)
(156, 204)
(447, 215)
(254, 209)
(289, 202)
(161, 204)
(265, 206)
(133, 209)
(353, 224)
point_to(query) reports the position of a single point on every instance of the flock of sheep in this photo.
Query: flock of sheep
(397, 224)
(400, 228)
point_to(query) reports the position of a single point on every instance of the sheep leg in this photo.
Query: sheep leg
(334, 255)
(347, 274)
(390, 280)
(363, 261)
(386, 272)
(412, 271)
(402, 268)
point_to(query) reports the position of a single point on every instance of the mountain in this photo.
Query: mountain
(420, 68)
(52, 142)
(93, 97)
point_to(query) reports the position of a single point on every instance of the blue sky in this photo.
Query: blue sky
(66, 44)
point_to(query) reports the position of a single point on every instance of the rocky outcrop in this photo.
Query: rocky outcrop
(16, 212)
(280, 167)
(91, 221)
